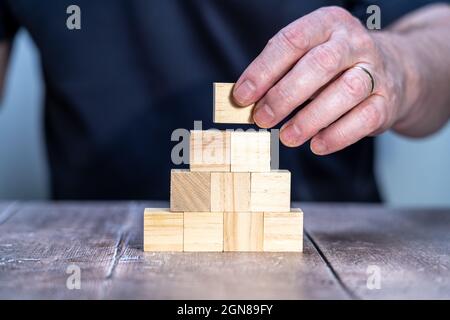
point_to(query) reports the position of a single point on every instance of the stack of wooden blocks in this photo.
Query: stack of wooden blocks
(230, 199)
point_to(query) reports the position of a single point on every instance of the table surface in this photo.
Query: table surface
(346, 246)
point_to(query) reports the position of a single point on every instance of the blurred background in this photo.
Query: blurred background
(409, 172)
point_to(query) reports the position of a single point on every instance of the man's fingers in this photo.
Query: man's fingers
(280, 54)
(363, 120)
(317, 68)
(352, 87)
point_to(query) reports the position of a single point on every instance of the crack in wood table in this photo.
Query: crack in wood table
(346, 245)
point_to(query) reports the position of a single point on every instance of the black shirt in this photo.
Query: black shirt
(138, 69)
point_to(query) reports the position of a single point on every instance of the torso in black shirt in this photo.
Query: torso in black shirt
(137, 70)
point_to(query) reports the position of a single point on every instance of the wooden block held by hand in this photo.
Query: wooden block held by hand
(230, 191)
(226, 110)
(243, 231)
(203, 231)
(163, 230)
(209, 150)
(271, 191)
(283, 231)
(190, 191)
(250, 151)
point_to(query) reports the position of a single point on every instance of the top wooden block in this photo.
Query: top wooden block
(226, 110)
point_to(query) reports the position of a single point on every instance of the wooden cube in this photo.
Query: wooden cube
(243, 231)
(203, 231)
(271, 191)
(230, 191)
(226, 110)
(163, 230)
(209, 150)
(283, 231)
(250, 151)
(190, 191)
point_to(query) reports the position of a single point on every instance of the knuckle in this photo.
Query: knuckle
(262, 70)
(340, 136)
(272, 41)
(372, 116)
(342, 47)
(337, 12)
(281, 93)
(314, 123)
(355, 85)
(293, 38)
(326, 58)
(354, 22)
(364, 41)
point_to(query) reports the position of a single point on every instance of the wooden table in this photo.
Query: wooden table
(408, 249)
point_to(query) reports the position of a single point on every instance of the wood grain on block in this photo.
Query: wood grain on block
(203, 231)
(243, 231)
(226, 110)
(190, 191)
(163, 230)
(250, 151)
(271, 191)
(283, 231)
(230, 191)
(209, 150)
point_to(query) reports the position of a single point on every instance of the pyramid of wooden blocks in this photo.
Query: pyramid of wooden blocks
(229, 199)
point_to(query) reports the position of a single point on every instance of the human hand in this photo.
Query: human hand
(315, 56)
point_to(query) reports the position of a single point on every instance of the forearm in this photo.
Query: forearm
(422, 41)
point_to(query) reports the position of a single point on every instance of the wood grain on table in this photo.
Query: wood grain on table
(39, 240)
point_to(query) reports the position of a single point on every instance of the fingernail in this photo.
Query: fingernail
(319, 147)
(244, 93)
(264, 115)
(291, 135)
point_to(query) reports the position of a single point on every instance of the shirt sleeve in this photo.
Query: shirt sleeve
(8, 23)
(391, 10)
